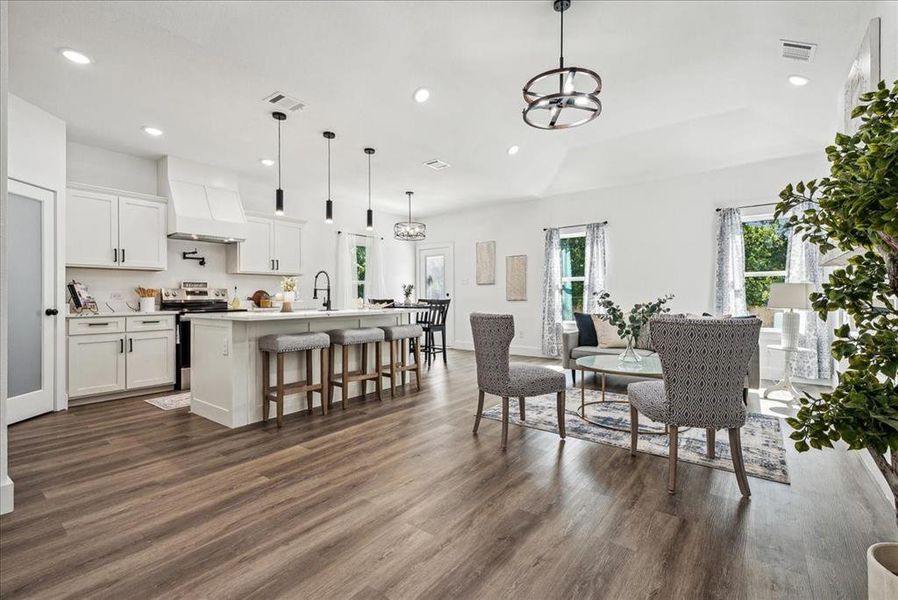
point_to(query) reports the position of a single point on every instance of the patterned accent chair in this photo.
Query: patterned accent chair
(496, 375)
(704, 361)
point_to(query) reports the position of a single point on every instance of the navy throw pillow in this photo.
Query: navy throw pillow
(586, 329)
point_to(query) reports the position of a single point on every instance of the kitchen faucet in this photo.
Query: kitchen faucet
(316, 289)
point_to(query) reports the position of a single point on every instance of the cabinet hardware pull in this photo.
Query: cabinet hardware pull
(123, 256)
(278, 261)
(115, 255)
(104, 324)
(121, 345)
(148, 322)
(130, 344)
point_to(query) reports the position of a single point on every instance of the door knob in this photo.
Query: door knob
(51, 312)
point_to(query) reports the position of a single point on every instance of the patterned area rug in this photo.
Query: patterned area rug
(171, 402)
(762, 437)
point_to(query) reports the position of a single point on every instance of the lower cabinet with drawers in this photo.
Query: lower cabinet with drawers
(111, 355)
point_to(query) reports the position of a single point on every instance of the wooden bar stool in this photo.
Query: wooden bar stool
(361, 337)
(281, 345)
(399, 336)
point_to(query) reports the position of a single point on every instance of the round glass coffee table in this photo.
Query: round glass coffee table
(649, 367)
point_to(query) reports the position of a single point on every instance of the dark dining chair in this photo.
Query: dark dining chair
(432, 320)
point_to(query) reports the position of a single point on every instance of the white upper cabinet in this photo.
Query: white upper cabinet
(141, 234)
(91, 229)
(113, 230)
(272, 247)
(287, 247)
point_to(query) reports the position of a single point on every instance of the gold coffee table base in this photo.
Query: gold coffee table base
(581, 413)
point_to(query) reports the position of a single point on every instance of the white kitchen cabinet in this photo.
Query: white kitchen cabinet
(272, 247)
(96, 364)
(115, 230)
(120, 356)
(91, 229)
(150, 359)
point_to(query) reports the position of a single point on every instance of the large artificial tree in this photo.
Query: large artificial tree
(855, 209)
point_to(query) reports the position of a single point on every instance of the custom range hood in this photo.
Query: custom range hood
(203, 202)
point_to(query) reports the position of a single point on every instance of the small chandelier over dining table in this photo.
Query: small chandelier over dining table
(567, 107)
(409, 231)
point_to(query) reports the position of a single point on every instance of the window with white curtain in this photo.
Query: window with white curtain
(573, 273)
(359, 271)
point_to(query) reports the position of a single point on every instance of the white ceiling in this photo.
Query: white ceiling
(688, 87)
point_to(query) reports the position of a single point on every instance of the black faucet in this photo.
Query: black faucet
(316, 289)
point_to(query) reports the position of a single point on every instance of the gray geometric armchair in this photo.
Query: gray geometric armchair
(704, 363)
(496, 375)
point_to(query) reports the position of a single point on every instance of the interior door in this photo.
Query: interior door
(142, 240)
(91, 229)
(256, 250)
(31, 249)
(287, 248)
(435, 279)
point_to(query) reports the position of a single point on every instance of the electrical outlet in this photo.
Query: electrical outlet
(224, 348)
(116, 296)
(521, 334)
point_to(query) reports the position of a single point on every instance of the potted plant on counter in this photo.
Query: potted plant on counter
(855, 210)
(288, 290)
(407, 290)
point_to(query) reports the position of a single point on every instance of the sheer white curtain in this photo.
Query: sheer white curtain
(374, 268)
(803, 265)
(594, 269)
(345, 294)
(729, 284)
(552, 294)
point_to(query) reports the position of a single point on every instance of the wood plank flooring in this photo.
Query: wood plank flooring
(399, 500)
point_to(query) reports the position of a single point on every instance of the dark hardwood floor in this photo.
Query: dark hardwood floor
(399, 500)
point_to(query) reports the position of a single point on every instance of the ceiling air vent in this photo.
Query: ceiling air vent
(282, 101)
(437, 165)
(802, 51)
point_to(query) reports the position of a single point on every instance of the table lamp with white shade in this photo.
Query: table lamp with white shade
(791, 297)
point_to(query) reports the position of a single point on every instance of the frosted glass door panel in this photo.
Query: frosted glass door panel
(434, 277)
(26, 294)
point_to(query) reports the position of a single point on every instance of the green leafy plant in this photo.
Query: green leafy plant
(856, 209)
(630, 325)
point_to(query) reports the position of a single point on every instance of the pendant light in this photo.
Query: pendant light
(279, 193)
(409, 231)
(548, 109)
(329, 205)
(369, 224)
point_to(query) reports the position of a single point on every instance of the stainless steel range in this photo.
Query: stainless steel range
(191, 297)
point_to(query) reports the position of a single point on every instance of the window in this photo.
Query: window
(766, 244)
(359, 281)
(573, 267)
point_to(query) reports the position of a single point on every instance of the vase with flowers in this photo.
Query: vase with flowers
(630, 325)
(288, 289)
(407, 290)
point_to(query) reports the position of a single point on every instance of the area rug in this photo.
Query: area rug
(762, 439)
(171, 402)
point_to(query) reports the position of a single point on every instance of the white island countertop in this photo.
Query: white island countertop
(261, 315)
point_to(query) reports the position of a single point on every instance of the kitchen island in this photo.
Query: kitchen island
(226, 372)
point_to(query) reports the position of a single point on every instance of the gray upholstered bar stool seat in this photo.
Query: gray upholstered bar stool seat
(281, 345)
(496, 375)
(398, 337)
(361, 336)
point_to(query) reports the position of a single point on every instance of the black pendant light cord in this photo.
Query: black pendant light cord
(328, 168)
(369, 181)
(409, 194)
(279, 154)
(561, 51)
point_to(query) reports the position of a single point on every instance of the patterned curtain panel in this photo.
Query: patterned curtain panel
(595, 265)
(552, 295)
(729, 285)
(803, 265)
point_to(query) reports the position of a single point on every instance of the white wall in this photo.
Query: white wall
(98, 166)
(660, 236)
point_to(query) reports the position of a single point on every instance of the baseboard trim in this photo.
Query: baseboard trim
(6, 495)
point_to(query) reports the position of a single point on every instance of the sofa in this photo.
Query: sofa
(572, 350)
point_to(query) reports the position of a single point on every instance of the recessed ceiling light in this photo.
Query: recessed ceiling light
(76, 57)
(512, 150)
(153, 131)
(267, 162)
(798, 80)
(421, 95)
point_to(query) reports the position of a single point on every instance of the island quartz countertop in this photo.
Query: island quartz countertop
(261, 316)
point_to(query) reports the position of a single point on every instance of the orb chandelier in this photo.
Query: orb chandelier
(576, 100)
(409, 231)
